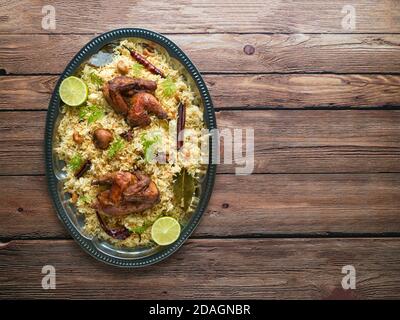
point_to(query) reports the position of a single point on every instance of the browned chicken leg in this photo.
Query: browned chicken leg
(141, 103)
(113, 95)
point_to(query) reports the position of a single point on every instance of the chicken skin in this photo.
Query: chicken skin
(134, 98)
(141, 103)
(128, 193)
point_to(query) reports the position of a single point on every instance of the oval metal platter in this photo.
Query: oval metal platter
(67, 212)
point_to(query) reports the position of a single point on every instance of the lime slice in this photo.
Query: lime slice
(165, 231)
(73, 91)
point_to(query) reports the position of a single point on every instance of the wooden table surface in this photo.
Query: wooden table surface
(325, 105)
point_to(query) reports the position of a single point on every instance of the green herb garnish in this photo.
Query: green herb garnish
(141, 229)
(76, 162)
(137, 69)
(168, 87)
(115, 147)
(91, 113)
(95, 115)
(149, 144)
(95, 79)
(85, 199)
(83, 112)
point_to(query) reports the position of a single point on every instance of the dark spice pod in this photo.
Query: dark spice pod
(147, 64)
(127, 135)
(180, 125)
(85, 167)
(119, 234)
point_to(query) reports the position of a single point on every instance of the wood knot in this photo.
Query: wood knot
(20, 209)
(4, 245)
(212, 212)
(249, 49)
(225, 205)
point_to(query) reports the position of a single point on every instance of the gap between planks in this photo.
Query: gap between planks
(245, 92)
(330, 235)
(207, 268)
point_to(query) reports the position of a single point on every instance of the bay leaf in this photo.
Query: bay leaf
(184, 187)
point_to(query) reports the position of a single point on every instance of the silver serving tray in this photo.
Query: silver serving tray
(67, 212)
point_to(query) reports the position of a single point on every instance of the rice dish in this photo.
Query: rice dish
(140, 152)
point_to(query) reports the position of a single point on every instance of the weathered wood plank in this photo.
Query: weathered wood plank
(203, 268)
(303, 91)
(316, 141)
(26, 93)
(377, 53)
(28, 209)
(268, 204)
(202, 16)
(286, 141)
(22, 142)
(243, 91)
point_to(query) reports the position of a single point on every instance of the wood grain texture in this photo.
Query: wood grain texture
(26, 93)
(201, 16)
(303, 91)
(286, 141)
(287, 53)
(254, 205)
(243, 91)
(319, 141)
(332, 172)
(201, 269)
(22, 142)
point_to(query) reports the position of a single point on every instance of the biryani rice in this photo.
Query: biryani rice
(131, 155)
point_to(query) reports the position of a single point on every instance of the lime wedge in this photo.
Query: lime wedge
(73, 91)
(165, 231)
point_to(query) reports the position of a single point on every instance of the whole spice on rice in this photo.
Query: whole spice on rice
(85, 167)
(127, 135)
(180, 126)
(146, 63)
(120, 233)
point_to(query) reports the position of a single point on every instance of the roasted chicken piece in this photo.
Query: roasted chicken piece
(144, 190)
(141, 103)
(128, 193)
(133, 98)
(113, 95)
(134, 85)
